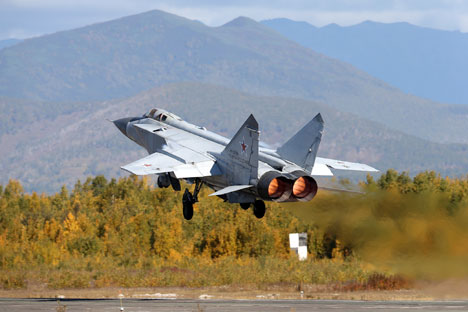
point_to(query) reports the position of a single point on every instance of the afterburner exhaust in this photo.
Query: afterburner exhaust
(273, 186)
(277, 188)
(297, 186)
(304, 188)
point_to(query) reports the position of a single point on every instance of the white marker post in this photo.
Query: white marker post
(121, 305)
(298, 243)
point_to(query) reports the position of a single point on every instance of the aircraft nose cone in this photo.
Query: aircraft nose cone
(121, 124)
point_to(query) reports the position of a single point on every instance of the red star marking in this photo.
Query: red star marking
(243, 145)
(147, 165)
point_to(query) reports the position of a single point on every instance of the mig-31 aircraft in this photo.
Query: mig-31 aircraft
(241, 170)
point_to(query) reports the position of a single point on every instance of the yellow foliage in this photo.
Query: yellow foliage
(127, 224)
(71, 226)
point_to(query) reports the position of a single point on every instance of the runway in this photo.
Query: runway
(23, 305)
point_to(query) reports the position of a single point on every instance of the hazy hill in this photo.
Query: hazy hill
(125, 56)
(8, 43)
(426, 62)
(46, 153)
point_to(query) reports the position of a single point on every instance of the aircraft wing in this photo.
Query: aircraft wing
(157, 163)
(344, 165)
(177, 154)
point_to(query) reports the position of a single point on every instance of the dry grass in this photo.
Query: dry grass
(255, 273)
(375, 281)
(272, 292)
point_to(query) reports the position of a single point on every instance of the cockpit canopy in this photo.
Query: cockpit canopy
(161, 115)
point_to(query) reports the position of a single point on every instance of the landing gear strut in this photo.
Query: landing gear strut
(188, 199)
(259, 208)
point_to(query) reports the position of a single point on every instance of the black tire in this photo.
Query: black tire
(187, 203)
(175, 184)
(164, 181)
(160, 184)
(245, 206)
(188, 211)
(259, 209)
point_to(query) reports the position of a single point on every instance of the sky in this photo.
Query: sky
(29, 18)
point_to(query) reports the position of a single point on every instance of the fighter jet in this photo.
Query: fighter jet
(242, 170)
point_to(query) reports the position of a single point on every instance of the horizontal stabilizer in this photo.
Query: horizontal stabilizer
(321, 170)
(230, 189)
(344, 165)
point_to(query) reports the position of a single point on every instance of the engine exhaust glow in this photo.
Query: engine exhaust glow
(301, 187)
(304, 188)
(276, 188)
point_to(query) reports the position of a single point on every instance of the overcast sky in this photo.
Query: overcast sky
(27, 18)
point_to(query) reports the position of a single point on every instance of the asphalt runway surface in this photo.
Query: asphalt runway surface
(23, 305)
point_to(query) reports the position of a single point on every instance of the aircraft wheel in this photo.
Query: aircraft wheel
(187, 203)
(175, 183)
(164, 181)
(259, 209)
(245, 206)
(188, 211)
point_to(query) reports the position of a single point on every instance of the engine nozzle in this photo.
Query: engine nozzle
(304, 188)
(277, 187)
(273, 186)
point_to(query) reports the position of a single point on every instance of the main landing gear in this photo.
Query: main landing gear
(258, 208)
(245, 206)
(188, 199)
(166, 180)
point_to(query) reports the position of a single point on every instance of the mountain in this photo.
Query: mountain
(45, 153)
(8, 43)
(129, 55)
(426, 62)
(57, 90)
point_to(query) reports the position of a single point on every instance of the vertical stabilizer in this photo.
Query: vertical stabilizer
(241, 154)
(302, 148)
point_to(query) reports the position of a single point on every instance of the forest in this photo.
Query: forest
(128, 233)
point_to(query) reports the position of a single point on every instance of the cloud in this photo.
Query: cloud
(435, 16)
(330, 5)
(22, 18)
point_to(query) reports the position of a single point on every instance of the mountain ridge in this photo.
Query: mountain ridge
(53, 127)
(123, 57)
(423, 61)
(77, 144)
